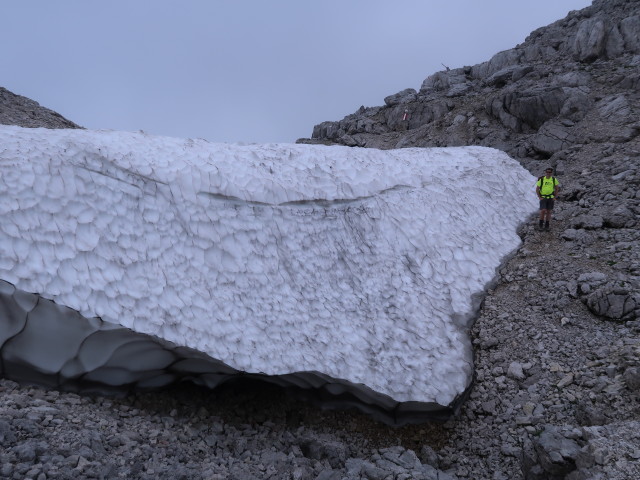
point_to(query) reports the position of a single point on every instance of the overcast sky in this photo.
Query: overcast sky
(245, 70)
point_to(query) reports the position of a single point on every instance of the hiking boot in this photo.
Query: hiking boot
(546, 227)
(540, 225)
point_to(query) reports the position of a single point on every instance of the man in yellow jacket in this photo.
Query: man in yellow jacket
(547, 188)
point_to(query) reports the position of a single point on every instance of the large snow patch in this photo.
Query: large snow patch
(360, 264)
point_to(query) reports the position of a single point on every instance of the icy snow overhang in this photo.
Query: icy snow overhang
(129, 260)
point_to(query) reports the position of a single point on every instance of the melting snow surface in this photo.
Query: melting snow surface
(358, 263)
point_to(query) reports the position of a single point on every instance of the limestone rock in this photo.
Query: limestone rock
(508, 74)
(573, 235)
(632, 378)
(619, 217)
(443, 81)
(323, 448)
(561, 73)
(405, 96)
(609, 451)
(498, 62)
(589, 43)
(587, 415)
(552, 455)
(574, 79)
(22, 111)
(614, 108)
(553, 137)
(588, 222)
(612, 302)
(533, 107)
(515, 371)
(630, 30)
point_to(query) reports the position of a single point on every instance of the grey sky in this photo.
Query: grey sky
(245, 70)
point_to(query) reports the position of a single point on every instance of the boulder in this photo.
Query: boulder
(614, 46)
(551, 456)
(531, 107)
(613, 302)
(324, 448)
(508, 74)
(599, 38)
(405, 96)
(614, 108)
(552, 137)
(590, 40)
(630, 31)
(444, 80)
(425, 113)
(458, 90)
(631, 378)
(587, 221)
(619, 217)
(609, 452)
(587, 415)
(576, 106)
(498, 62)
(573, 235)
(574, 79)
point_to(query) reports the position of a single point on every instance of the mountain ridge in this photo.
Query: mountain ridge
(24, 112)
(530, 101)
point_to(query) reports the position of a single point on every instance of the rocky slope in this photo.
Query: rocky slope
(571, 83)
(24, 112)
(557, 340)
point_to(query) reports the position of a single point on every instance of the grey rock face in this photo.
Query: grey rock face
(614, 108)
(405, 96)
(560, 453)
(579, 70)
(632, 378)
(24, 112)
(508, 74)
(590, 40)
(556, 453)
(531, 108)
(574, 79)
(553, 137)
(499, 62)
(613, 302)
(443, 81)
(588, 222)
(629, 28)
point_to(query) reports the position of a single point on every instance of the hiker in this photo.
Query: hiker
(547, 188)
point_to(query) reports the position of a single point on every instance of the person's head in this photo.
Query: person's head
(548, 172)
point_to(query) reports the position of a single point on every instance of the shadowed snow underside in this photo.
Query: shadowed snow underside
(47, 344)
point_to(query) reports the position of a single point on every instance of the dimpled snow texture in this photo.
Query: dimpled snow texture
(361, 264)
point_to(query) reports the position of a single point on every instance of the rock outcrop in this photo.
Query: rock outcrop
(571, 83)
(24, 112)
